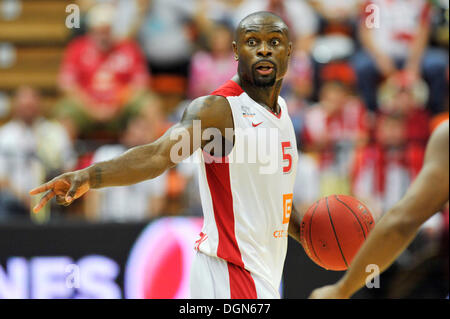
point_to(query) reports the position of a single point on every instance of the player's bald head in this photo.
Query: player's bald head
(262, 37)
(261, 19)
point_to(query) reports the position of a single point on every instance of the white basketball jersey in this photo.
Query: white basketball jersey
(247, 198)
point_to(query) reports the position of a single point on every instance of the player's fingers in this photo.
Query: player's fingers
(61, 200)
(44, 187)
(70, 195)
(48, 196)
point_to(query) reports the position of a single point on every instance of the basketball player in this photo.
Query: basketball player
(427, 195)
(243, 243)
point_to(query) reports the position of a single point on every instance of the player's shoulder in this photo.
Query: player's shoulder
(209, 105)
(216, 103)
(228, 89)
(442, 131)
(214, 109)
(211, 111)
(440, 136)
(438, 146)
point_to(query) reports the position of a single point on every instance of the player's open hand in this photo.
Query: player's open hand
(328, 292)
(66, 187)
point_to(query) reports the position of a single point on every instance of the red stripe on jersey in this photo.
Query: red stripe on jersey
(242, 285)
(218, 177)
(230, 88)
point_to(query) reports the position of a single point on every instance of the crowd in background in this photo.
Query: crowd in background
(367, 84)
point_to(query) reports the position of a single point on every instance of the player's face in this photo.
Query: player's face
(262, 49)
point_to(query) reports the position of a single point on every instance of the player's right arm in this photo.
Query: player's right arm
(142, 162)
(398, 227)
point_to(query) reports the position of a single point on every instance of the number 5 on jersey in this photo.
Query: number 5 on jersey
(286, 157)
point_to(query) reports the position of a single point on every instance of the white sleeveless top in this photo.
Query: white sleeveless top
(247, 199)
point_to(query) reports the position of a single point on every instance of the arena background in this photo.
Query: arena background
(82, 81)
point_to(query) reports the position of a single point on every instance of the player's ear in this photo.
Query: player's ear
(290, 49)
(234, 46)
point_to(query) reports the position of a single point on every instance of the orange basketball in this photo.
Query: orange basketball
(333, 229)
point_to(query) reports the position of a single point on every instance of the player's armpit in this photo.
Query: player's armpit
(294, 224)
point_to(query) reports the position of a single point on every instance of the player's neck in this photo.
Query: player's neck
(266, 96)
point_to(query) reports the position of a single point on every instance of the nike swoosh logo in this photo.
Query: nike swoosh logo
(255, 125)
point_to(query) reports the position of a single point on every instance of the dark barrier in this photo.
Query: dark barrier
(82, 260)
(301, 275)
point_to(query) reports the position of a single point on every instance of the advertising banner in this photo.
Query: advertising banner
(120, 260)
(81, 260)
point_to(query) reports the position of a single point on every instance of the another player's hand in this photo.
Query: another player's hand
(66, 187)
(328, 292)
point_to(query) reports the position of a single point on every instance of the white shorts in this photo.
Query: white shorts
(214, 278)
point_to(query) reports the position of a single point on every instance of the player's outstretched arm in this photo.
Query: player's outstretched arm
(398, 227)
(142, 162)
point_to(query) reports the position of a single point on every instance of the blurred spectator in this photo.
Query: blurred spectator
(338, 118)
(166, 35)
(336, 12)
(297, 91)
(307, 182)
(208, 11)
(334, 41)
(300, 84)
(297, 109)
(299, 79)
(210, 70)
(126, 20)
(136, 202)
(333, 128)
(382, 171)
(298, 14)
(394, 35)
(183, 197)
(440, 24)
(104, 80)
(406, 96)
(32, 149)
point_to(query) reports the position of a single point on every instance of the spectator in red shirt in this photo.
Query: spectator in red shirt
(337, 119)
(405, 96)
(382, 171)
(333, 128)
(104, 80)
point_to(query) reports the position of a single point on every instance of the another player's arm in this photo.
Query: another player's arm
(427, 195)
(142, 162)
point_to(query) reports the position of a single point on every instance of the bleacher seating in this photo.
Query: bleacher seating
(37, 36)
